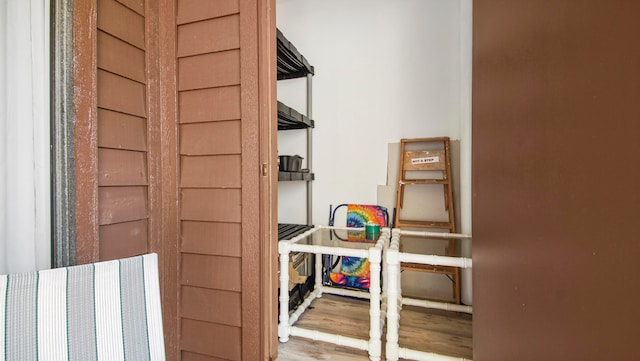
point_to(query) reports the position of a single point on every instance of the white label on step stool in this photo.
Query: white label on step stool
(426, 160)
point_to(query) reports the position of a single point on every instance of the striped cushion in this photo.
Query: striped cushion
(100, 311)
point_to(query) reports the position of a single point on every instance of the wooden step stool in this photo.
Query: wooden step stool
(427, 161)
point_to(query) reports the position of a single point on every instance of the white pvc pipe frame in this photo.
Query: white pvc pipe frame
(377, 303)
(393, 258)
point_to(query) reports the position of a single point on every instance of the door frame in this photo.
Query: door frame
(269, 185)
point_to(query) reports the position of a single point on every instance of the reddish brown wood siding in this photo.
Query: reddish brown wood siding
(122, 158)
(126, 138)
(208, 52)
(169, 119)
(227, 275)
(555, 180)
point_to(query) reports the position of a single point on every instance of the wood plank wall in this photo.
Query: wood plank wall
(126, 138)
(123, 176)
(168, 160)
(210, 146)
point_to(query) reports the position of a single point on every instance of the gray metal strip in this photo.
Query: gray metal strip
(134, 311)
(62, 131)
(81, 324)
(309, 150)
(21, 338)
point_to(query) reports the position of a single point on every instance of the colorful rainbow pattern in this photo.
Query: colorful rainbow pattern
(358, 215)
(354, 271)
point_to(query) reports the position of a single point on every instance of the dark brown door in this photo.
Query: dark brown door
(556, 128)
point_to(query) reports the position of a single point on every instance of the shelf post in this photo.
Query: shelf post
(309, 149)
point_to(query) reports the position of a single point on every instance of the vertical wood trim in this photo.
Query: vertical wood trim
(269, 184)
(86, 126)
(251, 300)
(154, 142)
(169, 222)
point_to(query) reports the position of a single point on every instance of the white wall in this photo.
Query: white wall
(25, 206)
(385, 70)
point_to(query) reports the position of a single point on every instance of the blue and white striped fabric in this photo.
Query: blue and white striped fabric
(101, 311)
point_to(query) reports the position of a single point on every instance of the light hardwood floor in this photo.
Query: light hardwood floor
(442, 332)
